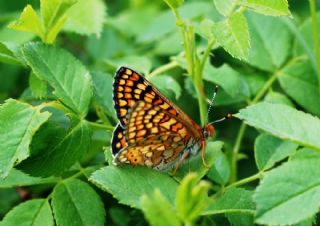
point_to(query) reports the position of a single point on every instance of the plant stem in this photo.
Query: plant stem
(315, 33)
(101, 126)
(163, 69)
(243, 127)
(246, 180)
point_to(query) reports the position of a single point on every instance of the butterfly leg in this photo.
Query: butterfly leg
(181, 160)
(203, 148)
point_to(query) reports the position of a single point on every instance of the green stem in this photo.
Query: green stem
(163, 69)
(101, 126)
(243, 127)
(246, 180)
(235, 152)
(206, 54)
(315, 33)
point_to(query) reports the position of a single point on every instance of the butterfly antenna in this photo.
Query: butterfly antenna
(228, 116)
(212, 100)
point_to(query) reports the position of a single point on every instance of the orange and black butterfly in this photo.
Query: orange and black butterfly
(152, 130)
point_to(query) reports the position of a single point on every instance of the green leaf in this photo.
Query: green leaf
(17, 178)
(140, 64)
(18, 123)
(174, 4)
(225, 76)
(34, 212)
(76, 203)
(167, 85)
(158, 211)
(278, 98)
(268, 7)
(300, 127)
(53, 15)
(38, 87)
(69, 78)
(102, 92)
(220, 171)
(29, 21)
(284, 190)
(86, 17)
(192, 197)
(163, 24)
(127, 183)
(239, 219)
(234, 200)
(270, 42)
(62, 152)
(270, 150)
(225, 7)
(233, 35)
(7, 55)
(300, 82)
(195, 163)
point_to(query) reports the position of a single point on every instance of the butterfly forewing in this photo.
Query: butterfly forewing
(152, 130)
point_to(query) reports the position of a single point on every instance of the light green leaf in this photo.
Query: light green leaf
(18, 123)
(220, 170)
(76, 203)
(300, 127)
(192, 197)
(174, 4)
(167, 85)
(225, 7)
(270, 150)
(270, 42)
(233, 35)
(63, 150)
(29, 21)
(268, 7)
(53, 15)
(140, 64)
(69, 78)
(34, 212)
(164, 23)
(158, 211)
(38, 87)
(224, 76)
(235, 200)
(300, 82)
(205, 29)
(17, 178)
(127, 183)
(86, 17)
(195, 163)
(284, 190)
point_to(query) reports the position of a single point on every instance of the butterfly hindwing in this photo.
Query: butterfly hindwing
(155, 137)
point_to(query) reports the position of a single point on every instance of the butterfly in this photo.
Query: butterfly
(152, 130)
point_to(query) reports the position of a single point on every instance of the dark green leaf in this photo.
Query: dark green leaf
(34, 212)
(285, 189)
(69, 78)
(300, 82)
(7, 55)
(75, 203)
(270, 150)
(22, 120)
(235, 200)
(220, 170)
(38, 87)
(64, 150)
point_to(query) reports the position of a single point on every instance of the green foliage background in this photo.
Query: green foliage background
(57, 62)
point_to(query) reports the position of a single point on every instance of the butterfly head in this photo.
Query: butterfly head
(208, 131)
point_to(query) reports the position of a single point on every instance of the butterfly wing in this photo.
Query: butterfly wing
(155, 137)
(118, 140)
(130, 87)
